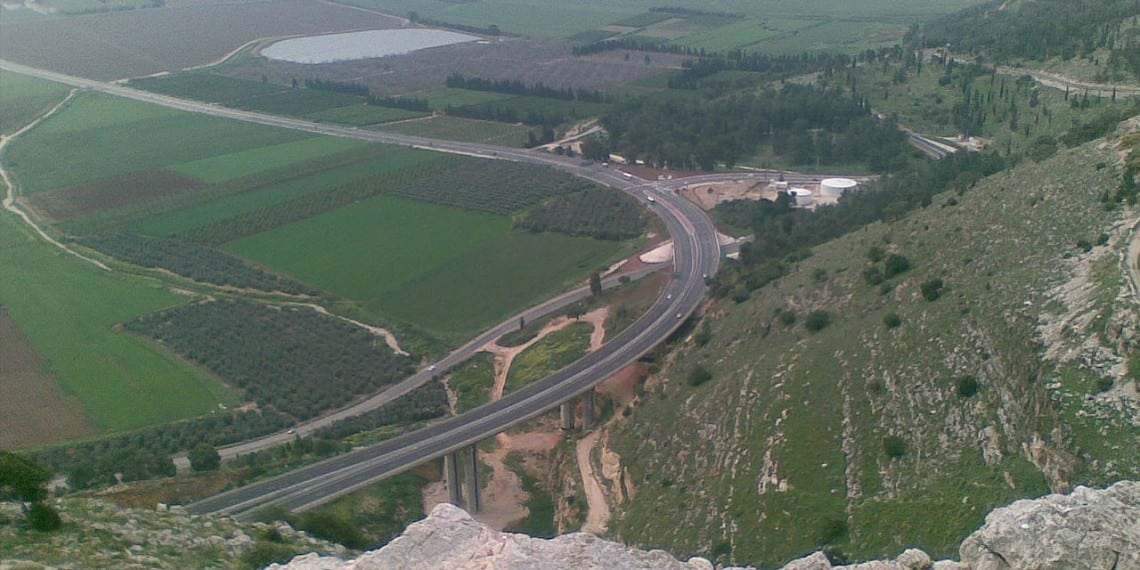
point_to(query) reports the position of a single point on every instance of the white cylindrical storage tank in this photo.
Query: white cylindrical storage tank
(836, 187)
(802, 196)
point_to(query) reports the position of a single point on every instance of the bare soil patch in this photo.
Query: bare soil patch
(171, 491)
(110, 193)
(33, 408)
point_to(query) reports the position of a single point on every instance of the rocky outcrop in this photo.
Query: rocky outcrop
(1094, 529)
(1088, 529)
(450, 538)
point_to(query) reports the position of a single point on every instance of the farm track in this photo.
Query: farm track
(10, 197)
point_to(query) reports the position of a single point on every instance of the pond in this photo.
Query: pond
(361, 45)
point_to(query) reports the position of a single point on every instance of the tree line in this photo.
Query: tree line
(516, 87)
(808, 123)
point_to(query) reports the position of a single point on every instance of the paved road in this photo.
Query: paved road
(696, 255)
(441, 366)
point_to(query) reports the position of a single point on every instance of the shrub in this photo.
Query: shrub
(787, 317)
(895, 265)
(873, 275)
(332, 527)
(699, 375)
(43, 518)
(967, 386)
(204, 458)
(932, 289)
(891, 320)
(1084, 245)
(832, 530)
(819, 275)
(894, 446)
(875, 254)
(1103, 385)
(704, 335)
(817, 321)
(265, 553)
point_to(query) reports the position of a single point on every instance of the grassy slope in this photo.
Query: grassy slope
(782, 450)
(68, 309)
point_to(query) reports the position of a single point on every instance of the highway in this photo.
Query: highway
(696, 255)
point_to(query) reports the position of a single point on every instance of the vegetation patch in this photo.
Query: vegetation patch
(594, 212)
(554, 352)
(472, 381)
(293, 359)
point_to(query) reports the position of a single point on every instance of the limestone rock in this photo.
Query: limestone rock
(450, 538)
(1088, 529)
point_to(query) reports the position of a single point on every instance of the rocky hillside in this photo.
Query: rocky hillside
(1088, 529)
(829, 411)
(98, 534)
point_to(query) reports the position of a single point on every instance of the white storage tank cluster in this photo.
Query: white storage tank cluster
(836, 187)
(802, 196)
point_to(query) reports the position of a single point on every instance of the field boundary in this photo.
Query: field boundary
(10, 197)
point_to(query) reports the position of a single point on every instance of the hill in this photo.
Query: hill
(830, 412)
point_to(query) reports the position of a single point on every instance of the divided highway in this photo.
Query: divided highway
(696, 255)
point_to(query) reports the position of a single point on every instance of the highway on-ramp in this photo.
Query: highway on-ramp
(696, 255)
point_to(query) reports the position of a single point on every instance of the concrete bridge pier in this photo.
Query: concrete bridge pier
(567, 411)
(451, 479)
(588, 410)
(471, 479)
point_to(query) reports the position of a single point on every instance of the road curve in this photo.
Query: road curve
(696, 255)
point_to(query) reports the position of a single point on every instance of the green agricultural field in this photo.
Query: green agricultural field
(505, 275)
(378, 161)
(465, 130)
(99, 136)
(378, 245)
(363, 114)
(69, 310)
(445, 270)
(205, 86)
(226, 167)
(24, 98)
(299, 102)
